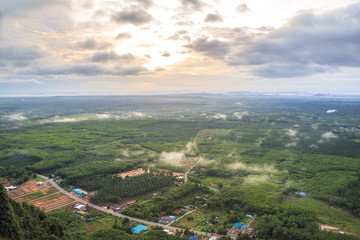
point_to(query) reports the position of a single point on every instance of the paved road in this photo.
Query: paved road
(115, 213)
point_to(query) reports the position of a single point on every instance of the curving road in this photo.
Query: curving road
(115, 213)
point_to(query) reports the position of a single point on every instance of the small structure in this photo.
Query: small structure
(214, 189)
(177, 211)
(172, 217)
(115, 207)
(40, 183)
(234, 232)
(168, 231)
(238, 225)
(125, 204)
(165, 220)
(214, 238)
(138, 228)
(79, 207)
(10, 188)
(80, 191)
(192, 237)
(248, 216)
(302, 194)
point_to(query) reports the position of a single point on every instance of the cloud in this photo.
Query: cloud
(219, 116)
(252, 179)
(180, 35)
(292, 132)
(145, 3)
(92, 44)
(328, 135)
(104, 116)
(213, 17)
(16, 117)
(112, 56)
(20, 81)
(239, 115)
(166, 54)
(20, 53)
(123, 35)
(307, 45)
(58, 119)
(136, 17)
(212, 48)
(193, 4)
(293, 144)
(243, 8)
(85, 70)
(331, 111)
(173, 158)
(242, 166)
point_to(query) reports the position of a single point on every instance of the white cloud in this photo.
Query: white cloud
(104, 116)
(293, 144)
(252, 179)
(292, 132)
(16, 117)
(173, 158)
(220, 116)
(331, 111)
(20, 81)
(328, 135)
(242, 166)
(239, 115)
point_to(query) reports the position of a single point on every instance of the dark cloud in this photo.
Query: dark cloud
(145, 3)
(19, 53)
(213, 17)
(86, 70)
(133, 16)
(308, 44)
(111, 56)
(285, 70)
(243, 8)
(180, 35)
(193, 4)
(213, 48)
(92, 44)
(124, 35)
(166, 54)
(185, 23)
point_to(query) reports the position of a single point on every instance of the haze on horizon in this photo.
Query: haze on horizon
(91, 46)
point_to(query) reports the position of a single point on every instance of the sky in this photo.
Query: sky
(158, 46)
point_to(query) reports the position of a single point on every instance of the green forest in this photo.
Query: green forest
(255, 153)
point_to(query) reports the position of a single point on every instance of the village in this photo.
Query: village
(43, 194)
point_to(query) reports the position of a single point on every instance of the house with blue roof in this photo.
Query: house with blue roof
(238, 225)
(139, 228)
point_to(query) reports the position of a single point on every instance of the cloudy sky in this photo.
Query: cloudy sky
(126, 46)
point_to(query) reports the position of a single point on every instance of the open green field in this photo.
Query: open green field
(91, 226)
(327, 214)
(37, 195)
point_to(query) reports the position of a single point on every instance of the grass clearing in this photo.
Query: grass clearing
(100, 223)
(327, 214)
(37, 179)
